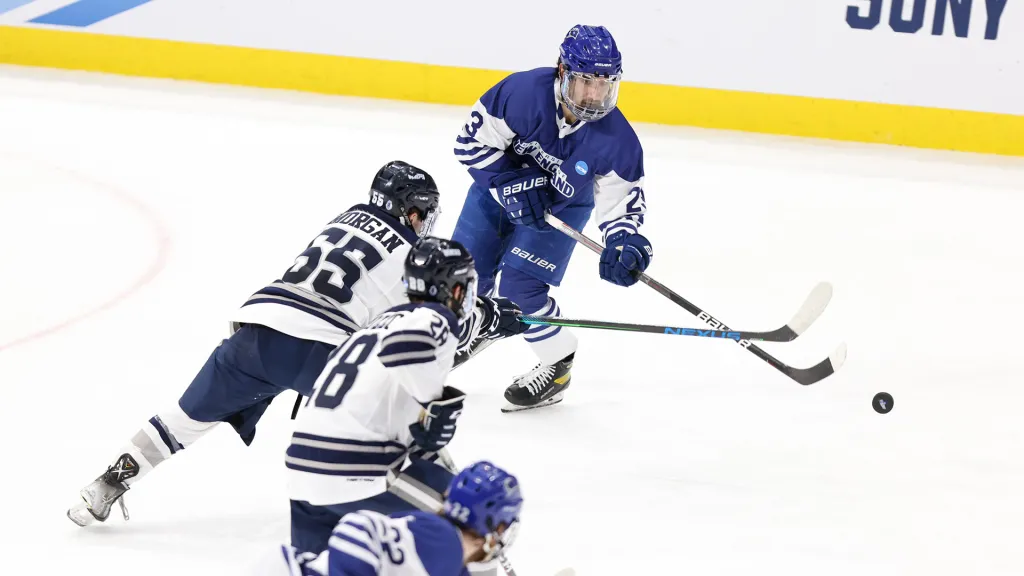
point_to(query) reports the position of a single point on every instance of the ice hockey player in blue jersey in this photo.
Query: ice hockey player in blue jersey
(479, 519)
(369, 436)
(552, 140)
(348, 274)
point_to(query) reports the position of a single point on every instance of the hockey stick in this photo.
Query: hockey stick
(804, 376)
(809, 311)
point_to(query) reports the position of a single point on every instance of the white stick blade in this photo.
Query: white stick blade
(838, 357)
(812, 307)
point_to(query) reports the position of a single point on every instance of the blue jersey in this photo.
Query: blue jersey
(370, 544)
(519, 122)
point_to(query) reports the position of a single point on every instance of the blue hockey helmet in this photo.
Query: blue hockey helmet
(484, 498)
(592, 69)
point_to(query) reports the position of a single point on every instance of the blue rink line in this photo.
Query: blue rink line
(87, 12)
(8, 5)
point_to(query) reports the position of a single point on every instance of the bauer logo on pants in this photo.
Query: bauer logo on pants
(533, 259)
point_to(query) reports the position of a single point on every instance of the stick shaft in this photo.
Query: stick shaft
(803, 376)
(780, 335)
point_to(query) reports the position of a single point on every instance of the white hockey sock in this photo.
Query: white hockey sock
(165, 435)
(550, 343)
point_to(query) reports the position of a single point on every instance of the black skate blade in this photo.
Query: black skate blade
(509, 408)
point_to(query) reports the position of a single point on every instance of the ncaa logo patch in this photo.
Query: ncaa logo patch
(582, 168)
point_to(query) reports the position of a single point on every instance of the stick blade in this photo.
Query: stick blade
(821, 370)
(838, 357)
(812, 308)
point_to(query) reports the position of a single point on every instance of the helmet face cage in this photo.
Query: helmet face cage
(428, 218)
(495, 543)
(588, 96)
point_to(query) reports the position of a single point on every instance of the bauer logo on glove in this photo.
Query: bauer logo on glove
(525, 194)
(523, 186)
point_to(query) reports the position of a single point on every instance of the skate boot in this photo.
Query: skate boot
(99, 497)
(543, 386)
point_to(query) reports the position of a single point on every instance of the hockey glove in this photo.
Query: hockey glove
(436, 426)
(500, 318)
(625, 255)
(525, 195)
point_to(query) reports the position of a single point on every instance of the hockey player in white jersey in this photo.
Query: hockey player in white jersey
(478, 520)
(348, 274)
(382, 399)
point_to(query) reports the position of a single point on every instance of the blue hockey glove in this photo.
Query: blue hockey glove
(500, 318)
(623, 253)
(525, 194)
(437, 425)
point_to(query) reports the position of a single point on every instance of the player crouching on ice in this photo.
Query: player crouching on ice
(478, 520)
(283, 334)
(552, 140)
(382, 399)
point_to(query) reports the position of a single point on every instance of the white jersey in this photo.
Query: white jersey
(354, 428)
(351, 272)
(368, 543)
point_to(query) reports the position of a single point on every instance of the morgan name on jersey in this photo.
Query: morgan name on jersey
(351, 272)
(362, 219)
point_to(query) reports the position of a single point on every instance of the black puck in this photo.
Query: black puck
(882, 402)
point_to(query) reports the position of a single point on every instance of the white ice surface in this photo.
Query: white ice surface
(134, 215)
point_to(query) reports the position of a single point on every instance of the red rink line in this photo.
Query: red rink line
(156, 265)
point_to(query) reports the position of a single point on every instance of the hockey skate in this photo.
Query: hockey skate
(543, 386)
(99, 497)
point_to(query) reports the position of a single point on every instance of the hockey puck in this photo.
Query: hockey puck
(882, 402)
